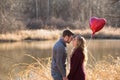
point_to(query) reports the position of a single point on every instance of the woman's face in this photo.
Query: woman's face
(74, 42)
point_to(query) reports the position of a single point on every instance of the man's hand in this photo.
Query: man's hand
(65, 78)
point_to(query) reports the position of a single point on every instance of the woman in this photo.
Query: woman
(78, 59)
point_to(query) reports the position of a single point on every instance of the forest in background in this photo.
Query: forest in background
(57, 14)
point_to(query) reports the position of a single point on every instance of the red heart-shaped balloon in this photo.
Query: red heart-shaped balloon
(96, 24)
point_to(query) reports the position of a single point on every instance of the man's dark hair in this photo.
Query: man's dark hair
(67, 33)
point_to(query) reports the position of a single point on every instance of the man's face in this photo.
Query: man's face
(69, 39)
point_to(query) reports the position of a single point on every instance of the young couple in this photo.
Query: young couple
(78, 57)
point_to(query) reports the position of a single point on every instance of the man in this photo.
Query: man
(58, 66)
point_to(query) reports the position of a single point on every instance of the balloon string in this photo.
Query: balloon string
(89, 41)
(87, 47)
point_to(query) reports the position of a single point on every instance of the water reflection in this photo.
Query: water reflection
(101, 48)
(12, 53)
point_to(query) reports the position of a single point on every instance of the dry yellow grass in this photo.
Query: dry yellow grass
(106, 32)
(30, 35)
(107, 69)
(40, 70)
(42, 34)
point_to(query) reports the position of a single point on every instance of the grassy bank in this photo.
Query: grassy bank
(106, 33)
(107, 69)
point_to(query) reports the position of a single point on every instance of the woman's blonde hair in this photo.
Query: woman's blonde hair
(81, 42)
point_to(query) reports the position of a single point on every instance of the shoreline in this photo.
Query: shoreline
(43, 34)
(38, 39)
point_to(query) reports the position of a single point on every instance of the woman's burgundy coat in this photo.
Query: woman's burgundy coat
(77, 66)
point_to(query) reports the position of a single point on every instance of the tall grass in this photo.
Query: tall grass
(39, 70)
(107, 69)
(30, 35)
(43, 34)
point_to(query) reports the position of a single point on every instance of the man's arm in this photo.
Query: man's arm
(59, 60)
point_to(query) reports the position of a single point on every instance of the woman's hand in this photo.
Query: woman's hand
(65, 78)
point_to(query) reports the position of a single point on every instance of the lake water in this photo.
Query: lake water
(12, 53)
